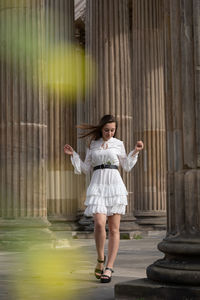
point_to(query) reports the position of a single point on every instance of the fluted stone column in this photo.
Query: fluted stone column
(23, 124)
(181, 245)
(61, 181)
(149, 110)
(85, 223)
(196, 20)
(177, 275)
(107, 40)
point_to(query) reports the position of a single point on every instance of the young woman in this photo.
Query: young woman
(106, 194)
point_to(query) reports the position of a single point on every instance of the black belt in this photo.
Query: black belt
(103, 166)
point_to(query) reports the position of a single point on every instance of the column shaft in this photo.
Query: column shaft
(62, 196)
(149, 110)
(81, 186)
(182, 242)
(196, 10)
(23, 127)
(107, 40)
(23, 122)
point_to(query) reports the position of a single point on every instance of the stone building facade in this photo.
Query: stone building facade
(147, 75)
(147, 57)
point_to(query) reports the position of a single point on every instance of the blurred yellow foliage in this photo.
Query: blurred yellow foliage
(50, 274)
(28, 46)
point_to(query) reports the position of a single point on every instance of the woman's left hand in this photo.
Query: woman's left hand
(139, 146)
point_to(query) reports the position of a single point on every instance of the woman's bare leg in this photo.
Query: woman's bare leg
(100, 237)
(113, 243)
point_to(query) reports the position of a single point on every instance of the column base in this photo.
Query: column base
(148, 289)
(181, 264)
(128, 223)
(152, 223)
(63, 224)
(86, 223)
(175, 272)
(151, 220)
(25, 233)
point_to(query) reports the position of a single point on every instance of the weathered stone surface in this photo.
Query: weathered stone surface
(144, 289)
(182, 260)
(25, 233)
(181, 245)
(196, 29)
(149, 109)
(23, 123)
(23, 127)
(129, 235)
(61, 115)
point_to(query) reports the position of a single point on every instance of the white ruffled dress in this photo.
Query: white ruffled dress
(106, 193)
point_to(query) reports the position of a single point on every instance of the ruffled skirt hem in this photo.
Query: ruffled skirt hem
(105, 201)
(107, 210)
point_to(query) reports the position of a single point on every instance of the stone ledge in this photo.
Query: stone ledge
(145, 289)
(82, 234)
(124, 235)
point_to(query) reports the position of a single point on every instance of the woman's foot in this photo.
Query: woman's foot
(99, 267)
(107, 275)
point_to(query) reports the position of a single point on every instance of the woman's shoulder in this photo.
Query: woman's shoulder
(117, 141)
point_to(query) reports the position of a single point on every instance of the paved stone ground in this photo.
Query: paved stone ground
(68, 273)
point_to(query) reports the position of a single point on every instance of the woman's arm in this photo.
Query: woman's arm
(128, 162)
(79, 165)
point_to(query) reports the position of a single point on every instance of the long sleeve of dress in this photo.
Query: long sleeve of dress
(79, 165)
(127, 162)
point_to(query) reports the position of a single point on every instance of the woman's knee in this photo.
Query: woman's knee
(99, 222)
(114, 231)
(114, 224)
(99, 226)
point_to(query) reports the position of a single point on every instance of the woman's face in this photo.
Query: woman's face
(108, 131)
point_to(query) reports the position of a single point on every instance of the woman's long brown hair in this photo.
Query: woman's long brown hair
(95, 131)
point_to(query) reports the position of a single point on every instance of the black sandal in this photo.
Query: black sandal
(107, 278)
(99, 270)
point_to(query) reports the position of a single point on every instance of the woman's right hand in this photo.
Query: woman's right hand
(68, 149)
